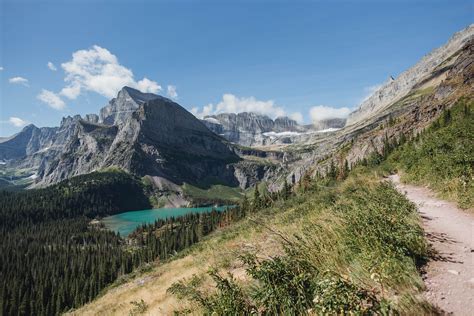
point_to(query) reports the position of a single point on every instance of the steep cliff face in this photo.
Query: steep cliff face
(250, 129)
(332, 123)
(395, 89)
(155, 137)
(173, 144)
(408, 115)
(30, 140)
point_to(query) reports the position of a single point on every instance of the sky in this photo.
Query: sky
(304, 59)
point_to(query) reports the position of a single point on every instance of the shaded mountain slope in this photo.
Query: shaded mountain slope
(157, 137)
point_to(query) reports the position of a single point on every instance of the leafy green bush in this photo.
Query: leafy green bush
(229, 299)
(285, 284)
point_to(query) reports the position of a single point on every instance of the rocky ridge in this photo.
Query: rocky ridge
(395, 89)
(253, 129)
(144, 135)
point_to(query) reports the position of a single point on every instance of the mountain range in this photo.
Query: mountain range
(152, 136)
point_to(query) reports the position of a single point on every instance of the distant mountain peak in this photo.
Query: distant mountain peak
(250, 128)
(120, 108)
(138, 96)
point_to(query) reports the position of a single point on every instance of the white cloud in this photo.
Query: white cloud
(71, 91)
(19, 80)
(206, 110)
(322, 112)
(171, 92)
(233, 104)
(51, 66)
(1, 68)
(297, 116)
(51, 99)
(98, 70)
(147, 85)
(17, 122)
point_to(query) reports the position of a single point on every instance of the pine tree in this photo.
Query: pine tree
(257, 199)
(447, 117)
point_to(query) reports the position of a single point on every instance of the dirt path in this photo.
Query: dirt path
(449, 274)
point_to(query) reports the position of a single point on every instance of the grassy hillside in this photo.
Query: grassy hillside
(356, 238)
(218, 193)
(442, 157)
(352, 244)
(349, 246)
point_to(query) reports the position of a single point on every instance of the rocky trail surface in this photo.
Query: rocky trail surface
(449, 274)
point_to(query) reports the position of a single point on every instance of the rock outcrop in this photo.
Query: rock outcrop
(119, 109)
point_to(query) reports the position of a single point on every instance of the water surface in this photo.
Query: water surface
(125, 223)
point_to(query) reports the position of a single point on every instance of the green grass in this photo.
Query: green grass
(215, 192)
(16, 177)
(413, 95)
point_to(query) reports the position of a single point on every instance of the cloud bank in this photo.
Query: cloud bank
(98, 70)
(234, 104)
(95, 70)
(322, 112)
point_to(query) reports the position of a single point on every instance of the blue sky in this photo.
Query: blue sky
(281, 57)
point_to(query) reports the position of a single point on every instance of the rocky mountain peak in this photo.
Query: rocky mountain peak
(136, 95)
(69, 120)
(119, 109)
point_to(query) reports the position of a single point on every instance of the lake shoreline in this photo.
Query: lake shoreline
(126, 222)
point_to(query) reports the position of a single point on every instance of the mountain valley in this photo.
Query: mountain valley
(312, 223)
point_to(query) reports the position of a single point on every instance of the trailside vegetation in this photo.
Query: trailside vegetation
(357, 249)
(442, 156)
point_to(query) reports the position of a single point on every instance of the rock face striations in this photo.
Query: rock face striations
(118, 111)
(144, 134)
(332, 123)
(251, 129)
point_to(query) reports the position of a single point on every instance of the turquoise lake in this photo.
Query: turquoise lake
(125, 223)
